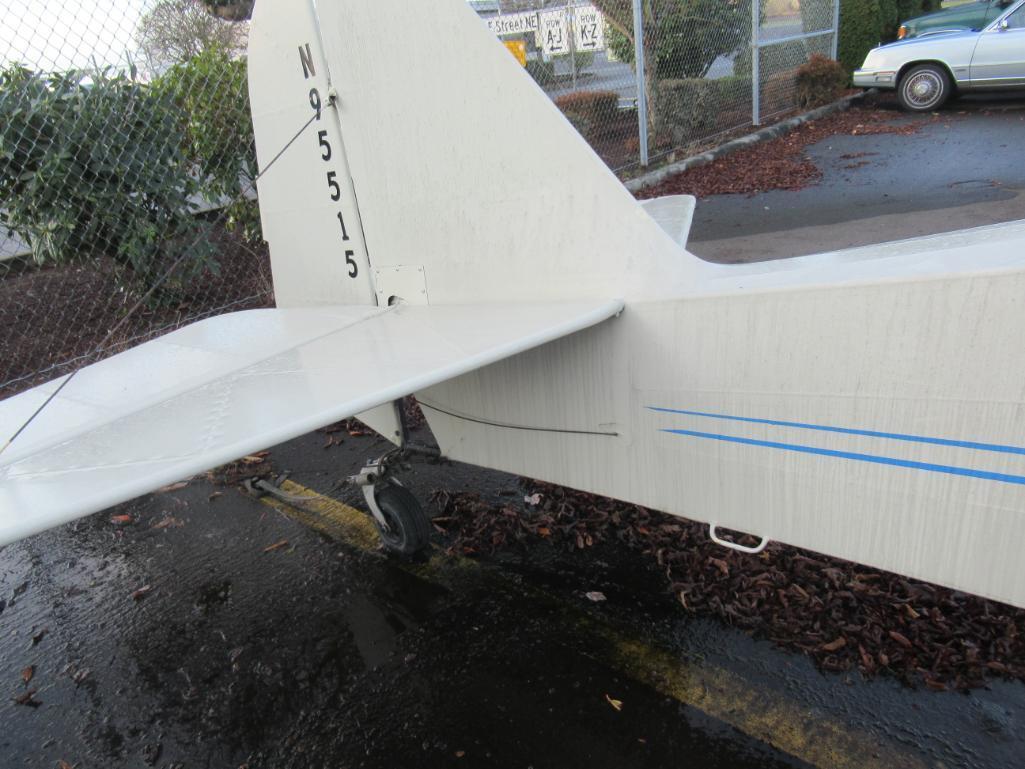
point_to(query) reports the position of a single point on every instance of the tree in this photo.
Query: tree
(685, 36)
(230, 10)
(176, 31)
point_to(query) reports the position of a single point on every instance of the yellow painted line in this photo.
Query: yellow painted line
(767, 715)
(334, 518)
(783, 722)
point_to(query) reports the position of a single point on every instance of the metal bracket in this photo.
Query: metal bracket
(257, 487)
(373, 474)
(733, 545)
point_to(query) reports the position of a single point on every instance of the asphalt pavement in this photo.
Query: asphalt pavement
(965, 167)
(201, 627)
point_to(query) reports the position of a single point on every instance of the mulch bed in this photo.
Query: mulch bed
(783, 163)
(52, 319)
(843, 615)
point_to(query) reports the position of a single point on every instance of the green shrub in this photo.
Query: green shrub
(894, 12)
(688, 37)
(861, 29)
(212, 102)
(691, 108)
(91, 165)
(592, 112)
(889, 19)
(542, 71)
(820, 81)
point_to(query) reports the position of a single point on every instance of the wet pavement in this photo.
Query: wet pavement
(965, 167)
(199, 627)
(210, 629)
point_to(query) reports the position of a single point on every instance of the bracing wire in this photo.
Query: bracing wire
(149, 292)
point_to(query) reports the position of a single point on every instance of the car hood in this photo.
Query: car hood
(958, 16)
(929, 39)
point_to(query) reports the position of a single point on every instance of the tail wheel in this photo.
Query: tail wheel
(408, 530)
(924, 88)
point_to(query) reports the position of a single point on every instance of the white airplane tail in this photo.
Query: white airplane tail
(472, 186)
(868, 405)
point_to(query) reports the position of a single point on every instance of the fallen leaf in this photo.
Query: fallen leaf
(595, 595)
(142, 592)
(617, 704)
(460, 753)
(255, 459)
(173, 487)
(901, 639)
(276, 546)
(833, 646)
(64, 765)
(28, 673)
(544, 531)
(721, 565)
(169, 522)
(214, 496)
(121, 520)
(28, 699)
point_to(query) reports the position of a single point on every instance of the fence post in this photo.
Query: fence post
(642, 93)
(756, 63)
(836, 29)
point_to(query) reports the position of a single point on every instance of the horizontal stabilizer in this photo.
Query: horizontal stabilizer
(227, 386)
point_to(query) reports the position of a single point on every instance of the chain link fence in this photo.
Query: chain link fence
(126, 165)
(708, 67)
(127, 155)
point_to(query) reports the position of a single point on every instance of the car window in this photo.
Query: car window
(1017, 19)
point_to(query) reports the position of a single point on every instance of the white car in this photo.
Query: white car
(926, 71)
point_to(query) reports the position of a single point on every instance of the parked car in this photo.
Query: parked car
(961, 18)
(928, 70)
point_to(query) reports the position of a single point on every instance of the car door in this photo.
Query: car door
(999, 59)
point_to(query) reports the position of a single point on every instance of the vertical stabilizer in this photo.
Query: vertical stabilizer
(307, 206)
(466, 171)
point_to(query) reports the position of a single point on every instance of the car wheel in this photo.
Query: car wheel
(924, 88)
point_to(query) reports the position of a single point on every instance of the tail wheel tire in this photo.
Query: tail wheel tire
(924, 88)
(408, 530)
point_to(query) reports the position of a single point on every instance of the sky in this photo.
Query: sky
(65, 34)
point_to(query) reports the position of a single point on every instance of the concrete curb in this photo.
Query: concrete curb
(652, 178)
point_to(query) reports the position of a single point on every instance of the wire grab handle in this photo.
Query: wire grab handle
(733, 545)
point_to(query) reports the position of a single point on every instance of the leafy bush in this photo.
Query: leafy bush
(686, 35)
(91, 165)
(211, 98)
(592, 112)
(690, 108)
(543, 72)
(861, 29)
(889, 19)
(820, 81)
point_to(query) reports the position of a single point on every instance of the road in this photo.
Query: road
(964, 168)
(211, 629)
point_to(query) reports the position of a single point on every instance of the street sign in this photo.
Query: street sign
(513, 24)
(589, 28)
(554, 33)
